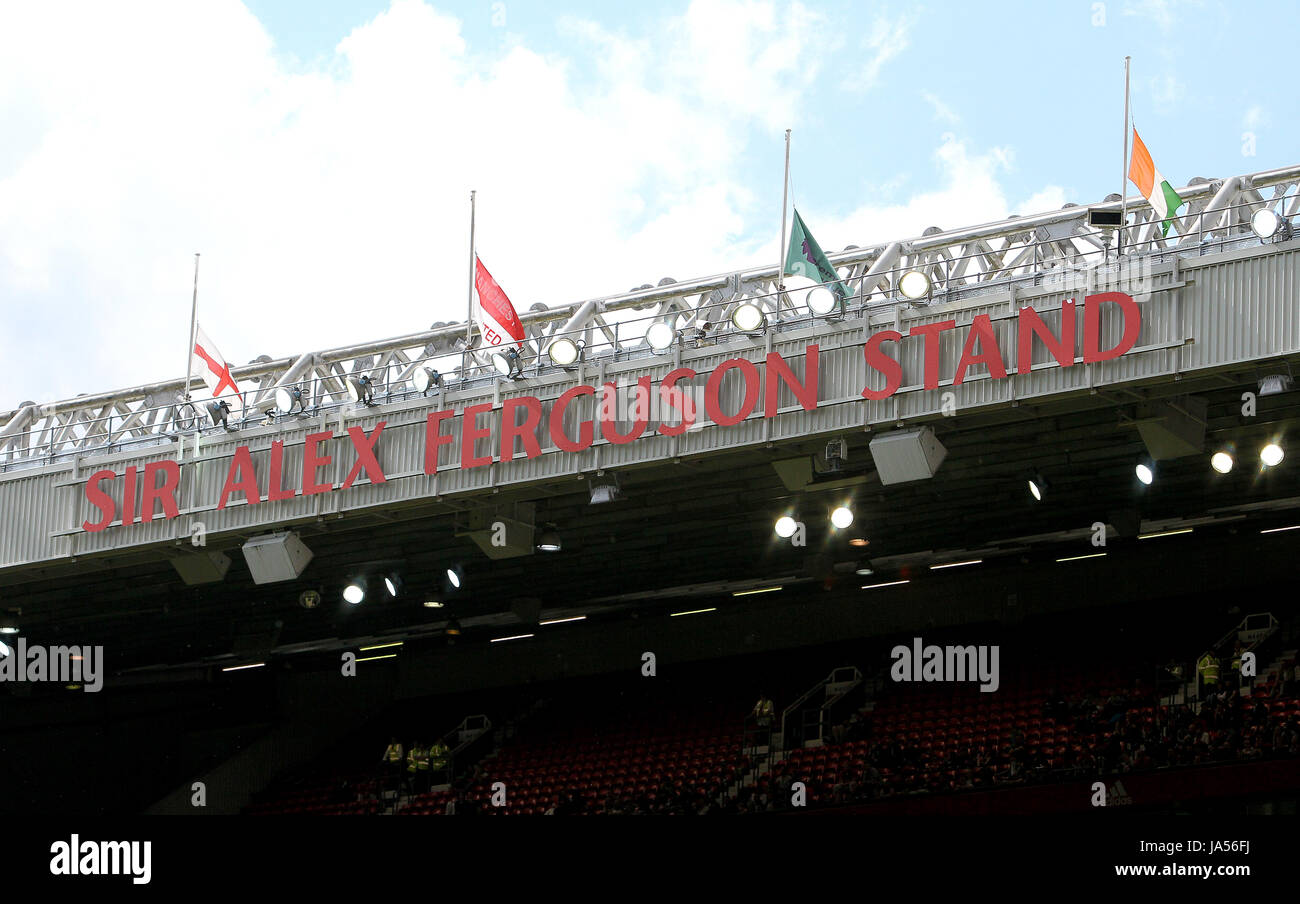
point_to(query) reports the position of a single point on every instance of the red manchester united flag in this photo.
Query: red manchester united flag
(493, 312)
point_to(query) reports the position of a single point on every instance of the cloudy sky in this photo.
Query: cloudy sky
(320, 154)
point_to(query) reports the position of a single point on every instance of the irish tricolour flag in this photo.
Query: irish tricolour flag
(1154, 187)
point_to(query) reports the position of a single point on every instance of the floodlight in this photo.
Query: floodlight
(1038, 486)
(1274, 384)
(424, 379)
(748, 318)
(660, 337)
(220, 413)
(508, 363)
(563, 352)
(604, 489)
(1221, 462)
(360, 389)
(1145, 470)
(1271, 455)
(914, 284)
(355, 592)
(1265, 223)
(287, 399)
(842, 517)
(821, 301)
(785, 527)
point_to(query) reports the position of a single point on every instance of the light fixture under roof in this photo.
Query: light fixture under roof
(748, 317)
(393, 584)
(1145, 470)
(549, 541)
(942, 565)
(1038, 486)
(660, 337)
(1271, 455)
(454, 577)
(604, 489)
(914, 284)
(433, 604)
(842, 517)
(355, 591)
(785, 527)
(757, 590)
(1221, 461)
(1275, 384)
(864, 567)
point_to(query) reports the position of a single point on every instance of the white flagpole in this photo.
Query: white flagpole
(189, 350)
(1123, 182)
(785, 196)
(469, 307)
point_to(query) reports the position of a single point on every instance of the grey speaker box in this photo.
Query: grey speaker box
(276, 557)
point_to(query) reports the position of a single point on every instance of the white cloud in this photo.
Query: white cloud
(330, 202)
(1167, 91)
(967, 193)
(1163, 13)
(942, 112)
(1254, 118)
(887, 39)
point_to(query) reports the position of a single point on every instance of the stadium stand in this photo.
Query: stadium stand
(606, 746)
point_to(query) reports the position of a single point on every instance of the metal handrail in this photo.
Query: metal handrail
(615, 339)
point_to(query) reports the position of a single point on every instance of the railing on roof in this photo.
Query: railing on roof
(1033, 250)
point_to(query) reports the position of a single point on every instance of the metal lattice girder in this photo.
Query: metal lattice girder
(958, 262)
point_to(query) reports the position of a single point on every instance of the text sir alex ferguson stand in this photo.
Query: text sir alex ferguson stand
(980, 346)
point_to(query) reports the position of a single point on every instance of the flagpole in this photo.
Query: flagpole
(1123, 182)
(469, 306)
(194, 311)
(785, 195)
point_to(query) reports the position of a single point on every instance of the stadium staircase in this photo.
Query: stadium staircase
(465, 743)
(1257, 633)
(804, 723)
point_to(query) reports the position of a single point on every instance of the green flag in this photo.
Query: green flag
(805, 258)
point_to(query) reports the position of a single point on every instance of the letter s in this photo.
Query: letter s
(100, 500)
(878, 360)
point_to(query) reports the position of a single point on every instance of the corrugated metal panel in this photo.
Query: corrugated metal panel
(1238, 306)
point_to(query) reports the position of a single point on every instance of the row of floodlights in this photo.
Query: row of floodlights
(746, 317)
(1222, 461)
(362, 585)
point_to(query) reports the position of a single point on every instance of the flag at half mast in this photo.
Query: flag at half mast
(208, 363)
(805, 258)
(1154, 187)
(493, 313)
